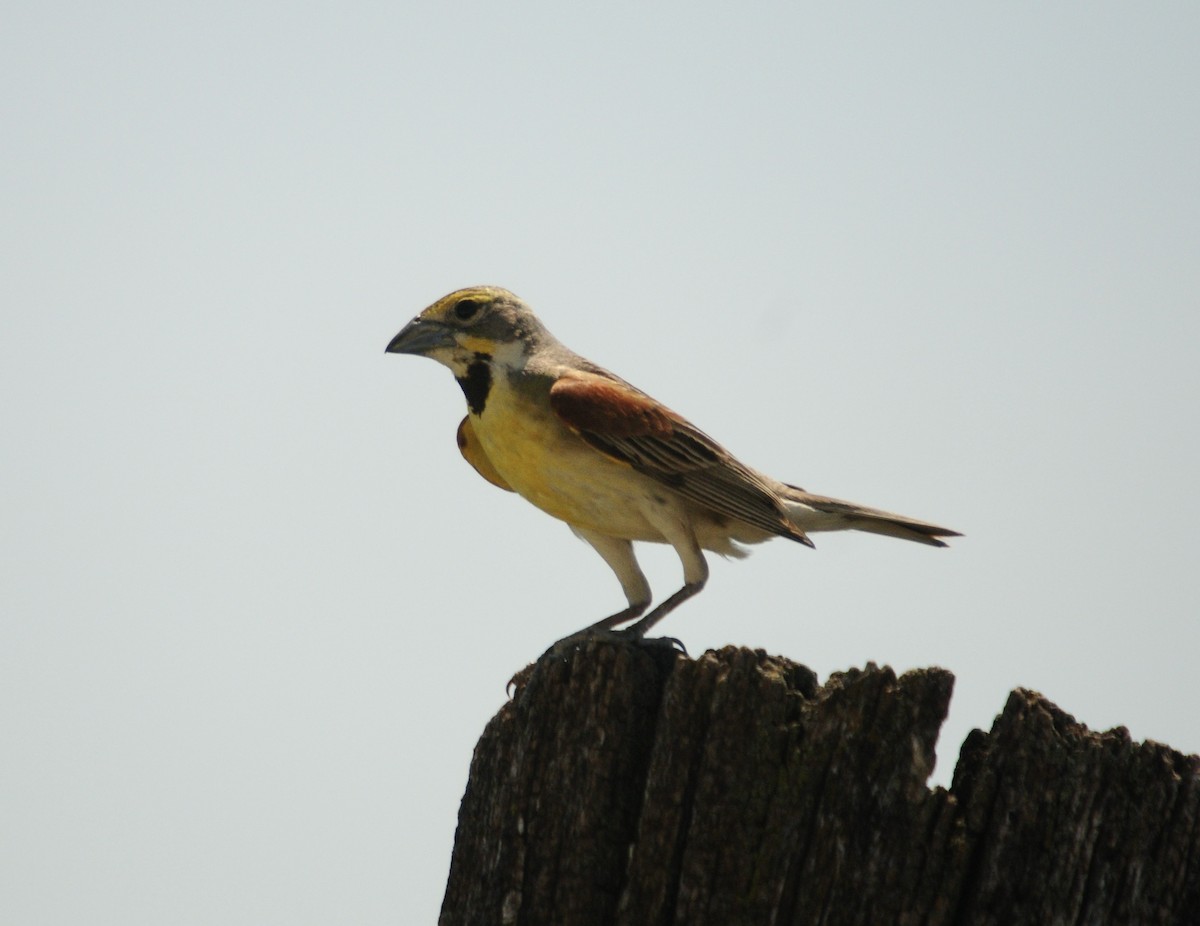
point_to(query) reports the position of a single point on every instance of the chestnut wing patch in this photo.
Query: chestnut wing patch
(629, 426)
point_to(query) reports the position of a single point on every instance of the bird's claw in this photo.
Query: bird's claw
(628, 635)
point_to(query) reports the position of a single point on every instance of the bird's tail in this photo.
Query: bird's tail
(818, 513)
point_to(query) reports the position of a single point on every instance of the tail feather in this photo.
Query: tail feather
(813, 513)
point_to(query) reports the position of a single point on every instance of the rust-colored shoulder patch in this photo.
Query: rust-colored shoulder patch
(586, 402)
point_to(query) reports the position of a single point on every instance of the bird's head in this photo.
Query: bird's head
(479, 323)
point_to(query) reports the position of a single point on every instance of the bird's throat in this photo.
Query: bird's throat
(476, 383)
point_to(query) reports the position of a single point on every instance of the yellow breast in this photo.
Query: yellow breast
(547, 464)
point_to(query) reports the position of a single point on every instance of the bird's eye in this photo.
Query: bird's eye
(466, 309)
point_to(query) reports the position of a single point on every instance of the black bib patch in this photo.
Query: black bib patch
(476, 385)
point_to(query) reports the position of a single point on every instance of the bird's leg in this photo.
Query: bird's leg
(628, 614)
(679, 534)
(603, 630)
(618, 553)
(638, 631)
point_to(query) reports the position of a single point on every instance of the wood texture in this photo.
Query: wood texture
(639, 787)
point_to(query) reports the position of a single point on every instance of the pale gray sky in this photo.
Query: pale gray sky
(938, 259)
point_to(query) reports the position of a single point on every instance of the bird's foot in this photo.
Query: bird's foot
(631, 635)
(627, 636)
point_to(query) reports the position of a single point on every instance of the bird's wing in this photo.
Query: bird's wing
(627, 425)
(469, 447)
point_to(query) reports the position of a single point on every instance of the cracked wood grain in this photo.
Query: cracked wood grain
(642, 788)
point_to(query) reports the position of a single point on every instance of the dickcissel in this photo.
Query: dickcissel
(590, 449)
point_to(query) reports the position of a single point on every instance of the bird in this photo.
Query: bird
(616, 465)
